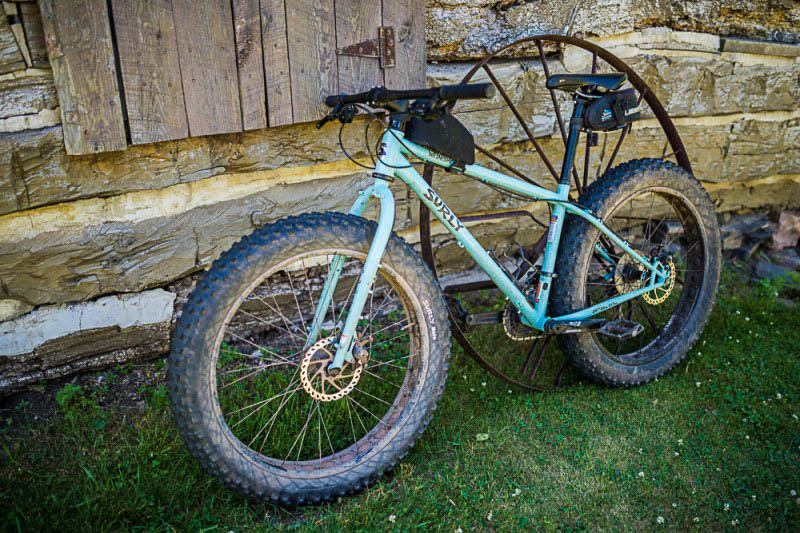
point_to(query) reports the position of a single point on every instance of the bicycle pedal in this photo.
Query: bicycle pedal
(621, 329)
(483, 319)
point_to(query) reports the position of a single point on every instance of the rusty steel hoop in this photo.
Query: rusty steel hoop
(678, 151)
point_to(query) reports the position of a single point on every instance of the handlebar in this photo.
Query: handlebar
(380, 95)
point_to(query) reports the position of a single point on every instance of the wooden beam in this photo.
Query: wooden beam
(276, 62)
(312, 56)
(207, 55)
(357, 21)
(408, 19)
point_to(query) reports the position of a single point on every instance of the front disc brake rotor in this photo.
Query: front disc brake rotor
(314, 373)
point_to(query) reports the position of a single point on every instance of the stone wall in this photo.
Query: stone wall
(97, 252)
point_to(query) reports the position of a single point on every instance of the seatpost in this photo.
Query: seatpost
(575, 125)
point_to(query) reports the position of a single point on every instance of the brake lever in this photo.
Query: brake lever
(345, 114)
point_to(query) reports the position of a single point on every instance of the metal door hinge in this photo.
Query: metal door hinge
(382, 48)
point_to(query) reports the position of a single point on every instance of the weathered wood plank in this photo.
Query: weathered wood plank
(312, 56)
(207, 54)
(151, 76)
(79, 45)
(34, 34)
(10, 55)
(408, 19)
(276, 62)
(357, 21)
(250, 62)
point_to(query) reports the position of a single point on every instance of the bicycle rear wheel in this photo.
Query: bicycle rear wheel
(662, 212)
(257, 406)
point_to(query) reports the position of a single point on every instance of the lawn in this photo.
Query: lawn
(713, 446)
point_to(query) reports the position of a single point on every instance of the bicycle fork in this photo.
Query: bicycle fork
(344, 347)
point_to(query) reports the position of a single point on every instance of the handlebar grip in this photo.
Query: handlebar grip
(358, 98)
(465, 92)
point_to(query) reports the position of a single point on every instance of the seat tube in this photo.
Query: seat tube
(547, 273)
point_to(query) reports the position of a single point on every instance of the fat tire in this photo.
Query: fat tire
(193, 395)
(577, 244)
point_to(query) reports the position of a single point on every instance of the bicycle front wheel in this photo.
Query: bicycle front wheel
(251, 394)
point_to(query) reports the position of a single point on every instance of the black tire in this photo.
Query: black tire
(192, 370)
(690, 304)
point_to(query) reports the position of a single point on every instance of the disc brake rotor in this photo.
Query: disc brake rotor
(314, 373)
(660, 294)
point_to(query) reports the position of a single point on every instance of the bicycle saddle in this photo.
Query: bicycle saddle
(574, 82)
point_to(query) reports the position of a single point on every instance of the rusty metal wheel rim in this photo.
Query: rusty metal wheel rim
(646, 94)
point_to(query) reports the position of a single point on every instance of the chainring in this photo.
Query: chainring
(314, 375)
(514, 328)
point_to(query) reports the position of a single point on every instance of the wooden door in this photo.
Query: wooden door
(189, 68)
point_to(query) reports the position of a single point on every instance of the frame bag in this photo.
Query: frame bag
(443, 134)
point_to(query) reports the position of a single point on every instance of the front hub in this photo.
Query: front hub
(320, 383)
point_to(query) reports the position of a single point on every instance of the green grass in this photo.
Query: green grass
(713, 446)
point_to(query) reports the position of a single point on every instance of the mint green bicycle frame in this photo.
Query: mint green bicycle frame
(392, 162)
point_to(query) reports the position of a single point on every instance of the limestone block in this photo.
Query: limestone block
(27, 95)
(465, 29)
(32, 330)
(701, 83)
(82, 257)
(12, 309)
(490, 120)
(780, 191)
(753, 46)
(756, 149)
(715, 85)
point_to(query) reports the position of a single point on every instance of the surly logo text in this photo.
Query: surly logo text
(431, 320)
(439, 157)
(440, 206)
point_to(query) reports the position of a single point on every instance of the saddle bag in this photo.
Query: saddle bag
(444, 134)
(612, 111)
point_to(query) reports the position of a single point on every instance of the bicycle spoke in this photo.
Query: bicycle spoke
(262, 397)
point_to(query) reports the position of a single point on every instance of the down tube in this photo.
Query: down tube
(412, 178)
